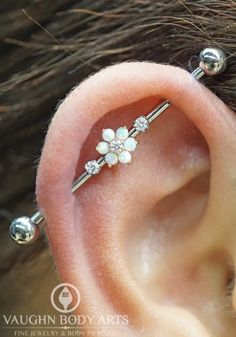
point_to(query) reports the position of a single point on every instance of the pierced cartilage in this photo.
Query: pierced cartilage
(116, 146)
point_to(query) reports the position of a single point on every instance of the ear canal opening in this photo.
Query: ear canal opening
(164, 229)
(167, 269)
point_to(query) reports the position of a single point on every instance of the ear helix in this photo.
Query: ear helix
(116, 147)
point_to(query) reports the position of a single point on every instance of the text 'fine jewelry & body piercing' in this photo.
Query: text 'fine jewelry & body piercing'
(117, 146)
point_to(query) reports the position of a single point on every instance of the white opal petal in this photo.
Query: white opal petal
(108, 135)
(125, 157)
(111, 158)
(122, 133)
(102, 147)
(130, 144)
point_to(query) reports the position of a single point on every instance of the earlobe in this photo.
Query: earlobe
(88, 232)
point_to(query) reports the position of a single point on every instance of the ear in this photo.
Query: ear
(151, 240)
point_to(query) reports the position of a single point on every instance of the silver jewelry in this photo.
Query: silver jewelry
(117, 146)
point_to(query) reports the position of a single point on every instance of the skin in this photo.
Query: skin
(154, 240)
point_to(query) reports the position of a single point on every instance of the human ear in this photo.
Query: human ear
(154, 240)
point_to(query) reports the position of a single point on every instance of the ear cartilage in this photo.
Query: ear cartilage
(116, 147)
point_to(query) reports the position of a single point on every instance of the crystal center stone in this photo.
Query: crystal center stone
(116, 146)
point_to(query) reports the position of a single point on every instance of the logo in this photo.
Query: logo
(65, 297)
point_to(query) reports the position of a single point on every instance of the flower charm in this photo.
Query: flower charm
(116, 146)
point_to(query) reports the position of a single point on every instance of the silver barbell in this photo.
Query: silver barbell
(25, 230)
